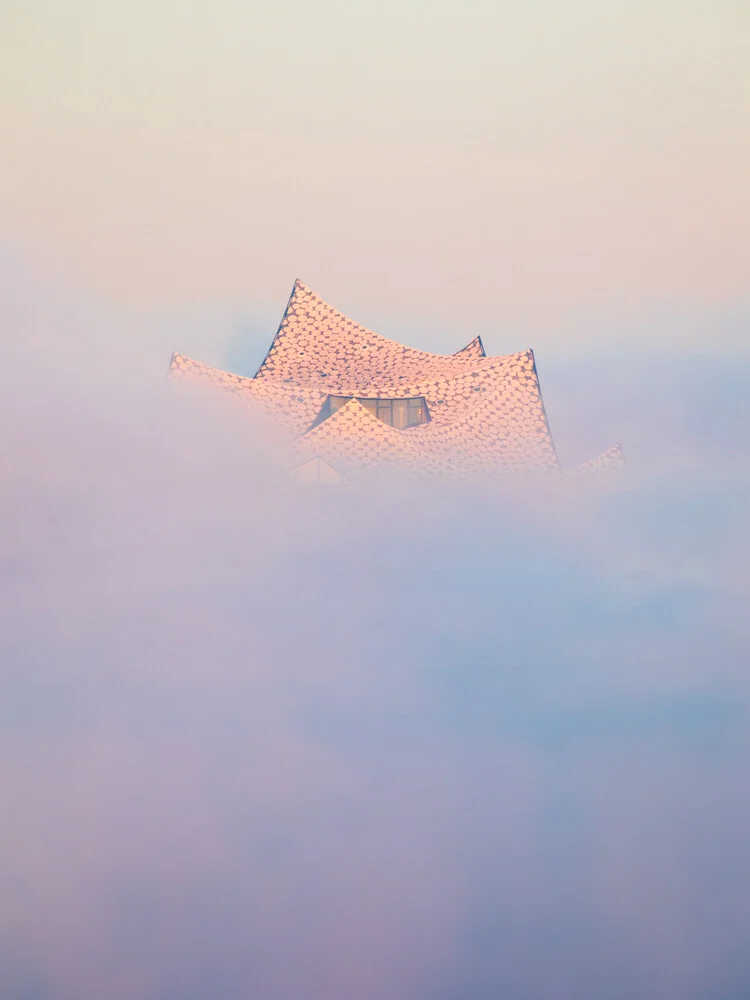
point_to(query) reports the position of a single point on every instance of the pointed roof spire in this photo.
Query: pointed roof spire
(474, 349)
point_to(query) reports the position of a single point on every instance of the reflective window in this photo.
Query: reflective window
(400, 413)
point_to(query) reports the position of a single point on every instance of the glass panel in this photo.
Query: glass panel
(415, 413)
(385, 412)
(400, 413)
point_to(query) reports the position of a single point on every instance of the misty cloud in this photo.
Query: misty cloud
(419, 743)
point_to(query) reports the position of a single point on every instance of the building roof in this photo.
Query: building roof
(295, 407)
(602, 469)
(316, 344)
(486, 413)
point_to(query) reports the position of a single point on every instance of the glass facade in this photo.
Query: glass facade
(399, 413)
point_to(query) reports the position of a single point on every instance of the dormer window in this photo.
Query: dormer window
(398, 413)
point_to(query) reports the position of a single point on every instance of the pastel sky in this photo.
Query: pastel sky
(433, 746)
(460, 166)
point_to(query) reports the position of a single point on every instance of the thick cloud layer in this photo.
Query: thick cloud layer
(414, 743)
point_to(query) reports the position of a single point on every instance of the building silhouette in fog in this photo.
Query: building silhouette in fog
(356, 403)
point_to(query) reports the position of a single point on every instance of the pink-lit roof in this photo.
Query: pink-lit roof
(486, 413)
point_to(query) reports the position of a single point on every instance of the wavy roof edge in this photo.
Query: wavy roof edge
(489, 407)
(305, 308)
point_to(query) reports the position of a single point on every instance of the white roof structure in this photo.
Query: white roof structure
(360, 402)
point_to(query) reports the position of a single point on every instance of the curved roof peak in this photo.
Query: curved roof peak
(474, 349)
(315, 340)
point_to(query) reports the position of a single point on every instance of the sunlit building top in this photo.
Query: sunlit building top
(356, 402)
